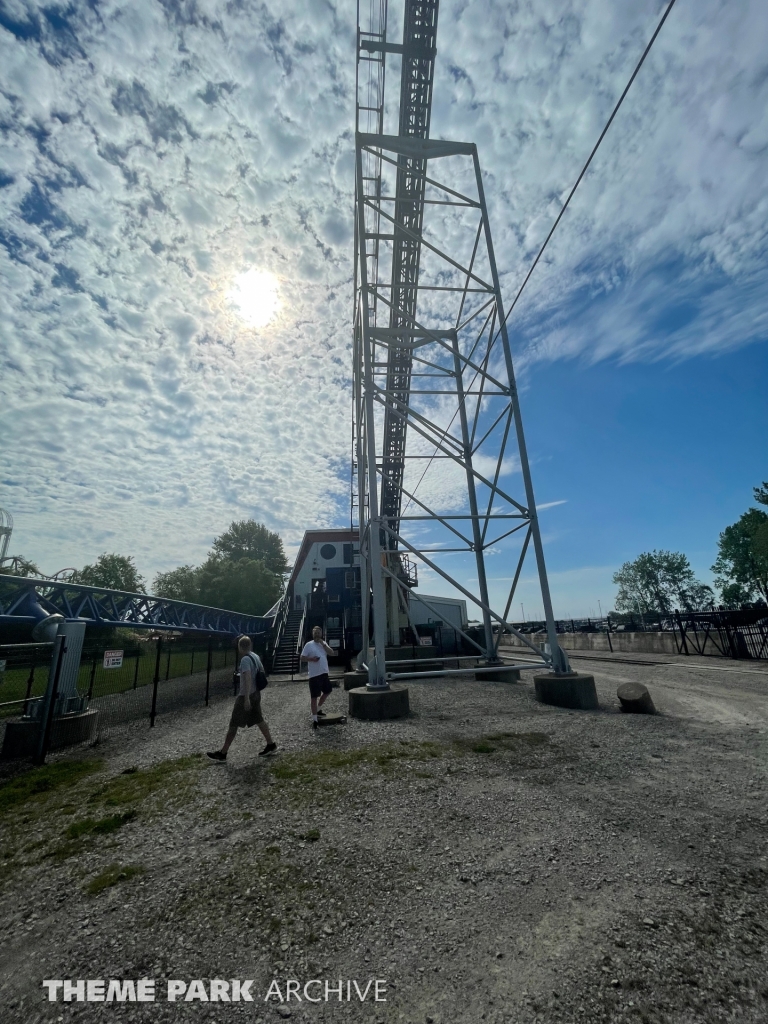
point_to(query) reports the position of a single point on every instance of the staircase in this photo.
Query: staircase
(285, 659)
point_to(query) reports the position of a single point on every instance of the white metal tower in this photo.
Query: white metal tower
(434, 387)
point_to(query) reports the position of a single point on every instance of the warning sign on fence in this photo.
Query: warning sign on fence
(113, 659)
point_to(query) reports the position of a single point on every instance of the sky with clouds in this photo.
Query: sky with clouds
(154, 150)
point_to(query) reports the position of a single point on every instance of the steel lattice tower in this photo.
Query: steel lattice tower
(428, 310)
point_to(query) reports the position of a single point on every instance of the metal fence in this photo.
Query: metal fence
(741, 633)
(125, 681)
(736, 634)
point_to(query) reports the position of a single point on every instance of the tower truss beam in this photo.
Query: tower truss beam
(428, 305)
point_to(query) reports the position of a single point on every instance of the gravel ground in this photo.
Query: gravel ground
(493, 859)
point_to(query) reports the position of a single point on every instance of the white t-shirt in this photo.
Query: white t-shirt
(248, 673)
(315, 650)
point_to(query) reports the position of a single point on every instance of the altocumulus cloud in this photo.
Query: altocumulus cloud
(152, 151)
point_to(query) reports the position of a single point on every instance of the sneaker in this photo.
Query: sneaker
(269, 749)
(320, 713)
(217, 755)
(314, 723)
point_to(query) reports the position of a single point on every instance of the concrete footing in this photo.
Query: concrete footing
(571, 690)
(22, 737)
(355, 679)
(377, 705)
(635, 699)
(500, 675)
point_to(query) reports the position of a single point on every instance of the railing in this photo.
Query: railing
(281, 619)
(300, 636)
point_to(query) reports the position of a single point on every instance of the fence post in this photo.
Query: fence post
(608, 620)
(192, 663)
(93, 676)
(682, 633)
(49, 701)
(136, 670)
(168, 664)
(156, 681)
(208, 670)
(30, 683)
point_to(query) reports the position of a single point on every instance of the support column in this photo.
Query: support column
(490, 650)
(559, 659)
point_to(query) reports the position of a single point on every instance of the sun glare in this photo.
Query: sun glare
(255, 296)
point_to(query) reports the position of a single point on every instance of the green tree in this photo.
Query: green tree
(733, 595)
(742, 552)
(761, 493)
(252, 540)
(114, 572)
(182, 584)
(242, 585)
(659, 582)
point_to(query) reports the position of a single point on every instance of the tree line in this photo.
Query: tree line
(243, 572)
(658, 582)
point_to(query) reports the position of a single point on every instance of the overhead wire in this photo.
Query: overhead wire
(584, 169)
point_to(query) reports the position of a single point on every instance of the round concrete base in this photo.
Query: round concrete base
(635, 699)
(573, 690)
(21, 738)
(376, 705)
(355, 679)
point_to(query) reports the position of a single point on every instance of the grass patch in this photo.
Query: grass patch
(139, 785)
(312, 836)
(102, 827)
(311, 766)
(111, 876)
(41, 782)
(519, 743)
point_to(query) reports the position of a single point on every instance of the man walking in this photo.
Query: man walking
(316, 653)
(247, 709)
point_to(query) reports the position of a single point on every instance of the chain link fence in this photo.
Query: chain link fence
(124, 681)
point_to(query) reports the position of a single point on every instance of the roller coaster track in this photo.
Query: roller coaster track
(416, 78)
(21, 599)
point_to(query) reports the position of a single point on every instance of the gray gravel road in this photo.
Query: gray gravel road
(490, 858)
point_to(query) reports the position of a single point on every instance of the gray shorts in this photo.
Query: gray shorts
(243, 719)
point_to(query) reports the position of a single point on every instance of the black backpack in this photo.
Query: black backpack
(261, 675)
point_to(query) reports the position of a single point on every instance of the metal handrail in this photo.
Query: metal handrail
(280, 622)
(300, 635)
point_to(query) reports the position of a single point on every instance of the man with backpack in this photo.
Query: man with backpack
(247, 709)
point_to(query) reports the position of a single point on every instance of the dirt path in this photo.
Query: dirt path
(493, 859)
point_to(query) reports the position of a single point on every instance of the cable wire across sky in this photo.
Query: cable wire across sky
(559, 217)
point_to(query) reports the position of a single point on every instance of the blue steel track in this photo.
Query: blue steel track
(21, 597)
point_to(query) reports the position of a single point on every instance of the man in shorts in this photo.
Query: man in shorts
(316, 653)
(247, 709)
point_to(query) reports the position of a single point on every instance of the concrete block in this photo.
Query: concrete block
(571, 690)
(355, 679)
(22, 737)
(377, 705)
(635, 699)
(500, 675)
